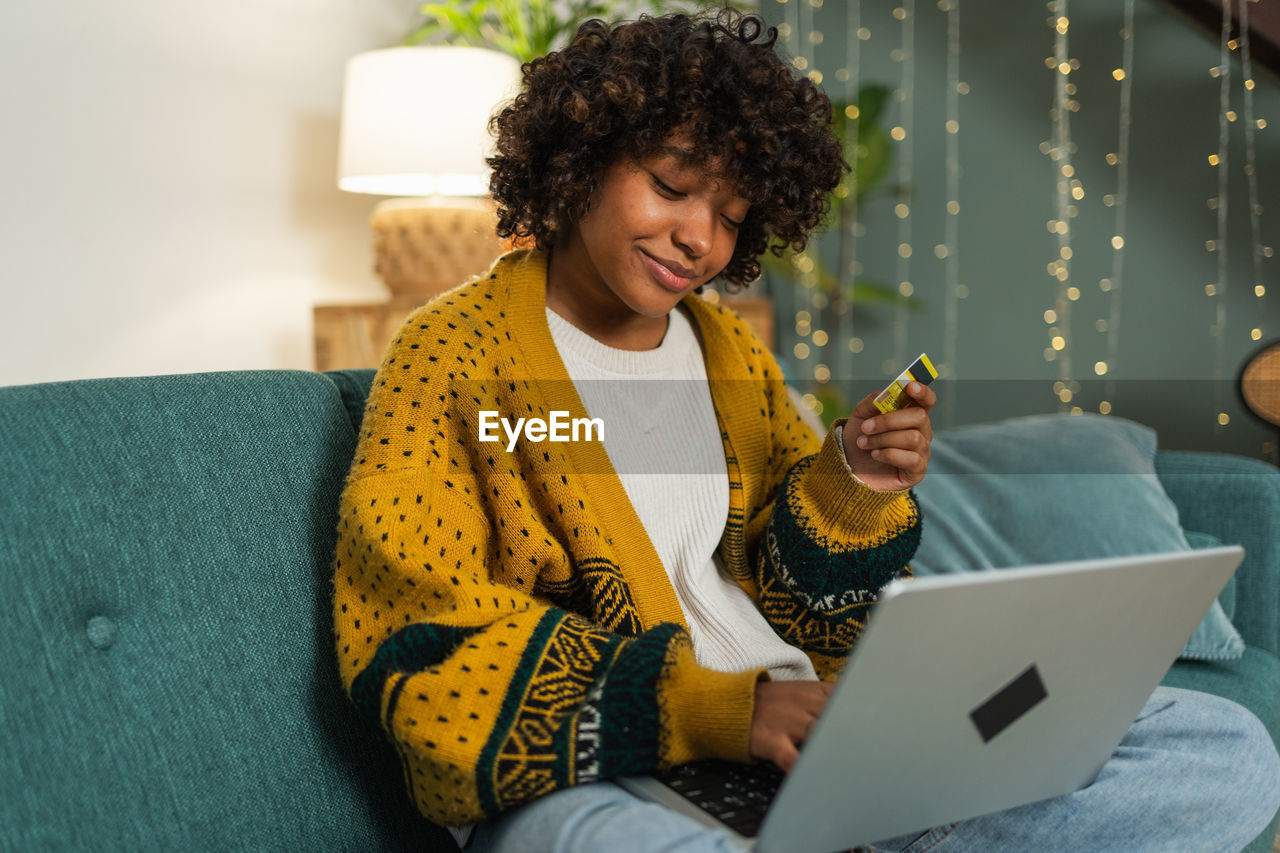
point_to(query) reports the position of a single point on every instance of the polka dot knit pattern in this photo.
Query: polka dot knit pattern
(503, 614)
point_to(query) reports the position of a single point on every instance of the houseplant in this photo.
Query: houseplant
(525, 29)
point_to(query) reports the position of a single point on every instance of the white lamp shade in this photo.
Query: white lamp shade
(415, 119)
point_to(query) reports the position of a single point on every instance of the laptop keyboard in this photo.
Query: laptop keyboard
(737, 794)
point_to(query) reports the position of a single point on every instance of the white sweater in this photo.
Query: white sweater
(663, 439)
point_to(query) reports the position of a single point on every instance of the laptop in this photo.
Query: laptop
(968, 694)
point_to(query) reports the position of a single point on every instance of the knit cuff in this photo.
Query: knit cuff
(835, 500)
(838, 431)
(706, 713)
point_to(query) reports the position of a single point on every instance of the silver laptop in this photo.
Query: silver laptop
(977, 692)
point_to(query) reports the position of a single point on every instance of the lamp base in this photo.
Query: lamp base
(425, 246)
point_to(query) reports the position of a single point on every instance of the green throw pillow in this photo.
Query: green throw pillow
(1051, 488)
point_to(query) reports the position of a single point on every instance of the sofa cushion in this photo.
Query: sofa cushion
(1236, 499)
(1051, 488)
(353, 385)
(1227, 598)
(170, 683)
(1253, 680)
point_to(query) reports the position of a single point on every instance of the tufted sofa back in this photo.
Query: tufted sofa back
(168, 678)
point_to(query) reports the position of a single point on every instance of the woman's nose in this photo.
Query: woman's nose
(695, 233)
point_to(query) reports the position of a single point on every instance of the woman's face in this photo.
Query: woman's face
(657, 228)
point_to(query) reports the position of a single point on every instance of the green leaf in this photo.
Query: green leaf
(419, 34)
(871, 100)
(866, 143)
(461, 23)
(503, 43)
(511, 18)
(871, 158)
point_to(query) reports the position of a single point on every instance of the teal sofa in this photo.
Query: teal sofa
(169, 682)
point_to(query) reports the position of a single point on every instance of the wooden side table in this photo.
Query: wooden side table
(357, 335)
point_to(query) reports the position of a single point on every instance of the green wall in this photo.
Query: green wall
(1168, 370)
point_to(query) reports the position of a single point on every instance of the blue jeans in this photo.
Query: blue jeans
(1195, 773)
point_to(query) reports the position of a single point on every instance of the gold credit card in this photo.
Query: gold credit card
(895, 396)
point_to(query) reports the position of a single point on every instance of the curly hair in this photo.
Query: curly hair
(621, 92)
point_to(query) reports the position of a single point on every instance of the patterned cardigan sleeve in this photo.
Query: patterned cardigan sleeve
(822, 544)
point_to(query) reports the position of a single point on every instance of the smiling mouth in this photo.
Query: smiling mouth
(669, 274)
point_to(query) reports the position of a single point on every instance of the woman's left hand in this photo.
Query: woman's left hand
(890, 452)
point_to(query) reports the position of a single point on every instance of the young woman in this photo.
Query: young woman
(529, 610)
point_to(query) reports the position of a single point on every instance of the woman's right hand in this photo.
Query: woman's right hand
(784, 713)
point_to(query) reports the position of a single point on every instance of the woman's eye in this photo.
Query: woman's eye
(733, 223)
(666, 190)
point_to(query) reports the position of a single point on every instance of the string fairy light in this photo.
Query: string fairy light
(1251, 126)
(903, 134)
(1114, 285)
(1068, 187)
(809, 301)
(818, 298)
(783, 295)
(1218, 290)
(790, 32)
(949, 367)
(849, 266)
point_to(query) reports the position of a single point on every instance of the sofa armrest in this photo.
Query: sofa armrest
(1237, 500)
(353, 385)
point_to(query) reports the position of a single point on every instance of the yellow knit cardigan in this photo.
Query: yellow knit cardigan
(505, 617)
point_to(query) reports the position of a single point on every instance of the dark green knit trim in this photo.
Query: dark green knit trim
(827, 580)
(411, 649)
(628, 705)
(732, 542)
(533, 651)
(577, 740)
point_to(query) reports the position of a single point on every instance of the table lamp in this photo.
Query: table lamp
(415, 125)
